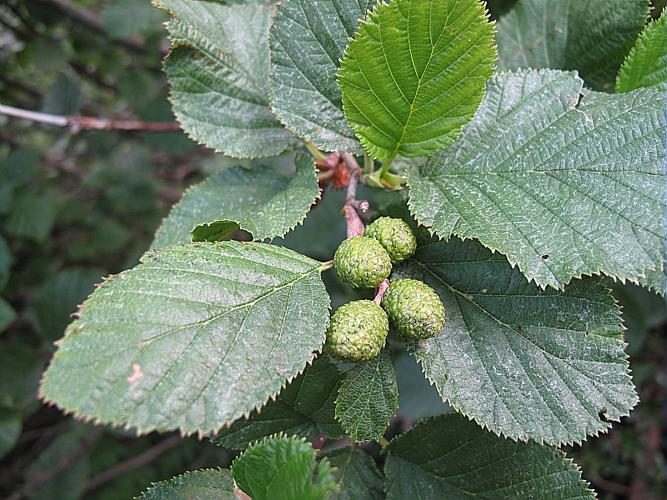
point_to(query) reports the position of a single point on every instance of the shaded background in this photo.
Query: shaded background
(77, 206)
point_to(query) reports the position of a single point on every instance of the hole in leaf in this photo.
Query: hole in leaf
(545, 257)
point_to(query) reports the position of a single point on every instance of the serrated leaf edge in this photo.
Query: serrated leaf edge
(337, 405)
(139, 431)
(272, 399)
(641, 39)
(311, 137)
(541, 441)
(427, 421)
(291, 144)
(371, 16)
(282, 435)
(289, 229)
(184, 474)
(516, 264)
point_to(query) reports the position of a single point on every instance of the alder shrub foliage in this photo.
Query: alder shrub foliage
(527, 156)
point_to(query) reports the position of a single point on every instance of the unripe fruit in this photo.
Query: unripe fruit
(358, 331)
(395, 236)
(414, 309)
(362, 262)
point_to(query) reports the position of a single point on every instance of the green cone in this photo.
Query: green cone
(362, 262)
(358, 331)
(395, 236)
(414, 309)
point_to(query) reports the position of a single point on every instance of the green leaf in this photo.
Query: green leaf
(205, 484)
(305, 408)
(5, 263)
(16, 169)
(63, 97)
(10, 430)
(282, 467)
(450, 457)
(69, 483)
(52, 304)
(127, 18)
(563, 189)
(646, 64)
(32, 217)
(323, 230)
(220, 230)
(417, 398)
(523, 362)
(356, 475)
(368, 398)
(6, 195)
(192, 338)
(19, 393)
(264, 201)
(414, 74)
(499, 8)
(219, 72)
(7, 315)
(590, 36)
(19, 167)
(308, 39)
(643, 311)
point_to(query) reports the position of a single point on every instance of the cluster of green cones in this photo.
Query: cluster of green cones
(358, 330)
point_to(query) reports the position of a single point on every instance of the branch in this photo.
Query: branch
(77, 123)
(352, 206)
(382, 287)
(133, 463)
(92, 21)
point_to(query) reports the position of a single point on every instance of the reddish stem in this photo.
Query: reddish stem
(351, 207)
(382, 287)
(355, 226)
(318, 444)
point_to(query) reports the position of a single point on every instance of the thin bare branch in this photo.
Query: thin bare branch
(64, 463)
(77, 123)
(133, 463)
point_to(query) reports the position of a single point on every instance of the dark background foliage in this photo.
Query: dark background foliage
(75, 207)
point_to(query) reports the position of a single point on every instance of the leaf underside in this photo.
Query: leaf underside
(414, 74)
(368, 398)
(304, 408)
(450, 457)
(308, 39)
(646, 64)
(523, 362)
(219, 70)
(562, 188)
(590, 36)
(263, 200)
(192, 338)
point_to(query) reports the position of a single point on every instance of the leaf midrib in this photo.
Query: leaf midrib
(394, 153)
(458, 295)
(236, 307)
